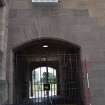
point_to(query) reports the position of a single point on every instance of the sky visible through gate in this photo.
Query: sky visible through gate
(39, 74)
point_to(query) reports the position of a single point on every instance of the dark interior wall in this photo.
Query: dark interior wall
(20, 79)
(70, 77)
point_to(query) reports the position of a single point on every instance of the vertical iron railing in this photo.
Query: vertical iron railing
(67, 78)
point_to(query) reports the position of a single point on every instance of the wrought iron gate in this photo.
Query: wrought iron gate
(62, 85)
(44, 83)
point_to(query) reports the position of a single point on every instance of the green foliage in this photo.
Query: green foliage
(50, 77)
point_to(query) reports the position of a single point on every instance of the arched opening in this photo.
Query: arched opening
(40, 77)
(47, 54)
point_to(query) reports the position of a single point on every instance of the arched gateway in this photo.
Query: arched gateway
(48, 71)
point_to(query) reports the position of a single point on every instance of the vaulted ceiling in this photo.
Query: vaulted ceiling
(1, 3)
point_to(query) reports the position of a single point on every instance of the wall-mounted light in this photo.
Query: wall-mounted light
(45, 46)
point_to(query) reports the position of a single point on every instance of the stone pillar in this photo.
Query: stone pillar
(3, 48)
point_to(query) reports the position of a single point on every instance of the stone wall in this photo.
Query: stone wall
(29, 21)
(3, 48)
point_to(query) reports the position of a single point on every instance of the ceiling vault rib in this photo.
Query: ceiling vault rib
(1, 3)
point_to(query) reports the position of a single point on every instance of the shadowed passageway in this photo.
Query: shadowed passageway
(48, 72)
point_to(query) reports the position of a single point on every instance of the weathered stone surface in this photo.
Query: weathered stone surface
(3, 91)
(73, 20)
(75, 26)
(3, 48)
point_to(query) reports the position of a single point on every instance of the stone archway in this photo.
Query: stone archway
(59, 54)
